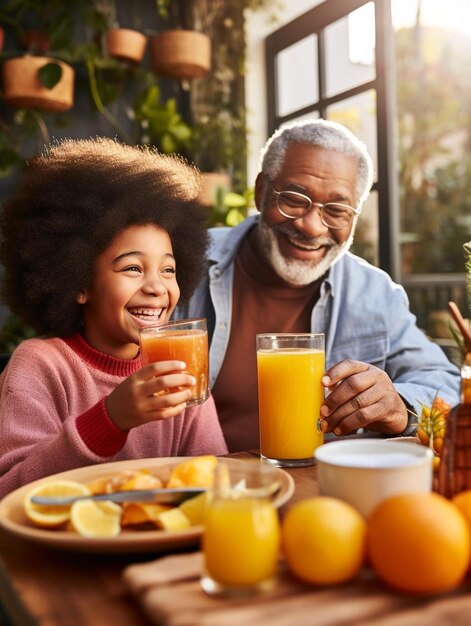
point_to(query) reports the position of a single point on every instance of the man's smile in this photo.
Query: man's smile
(316, 247)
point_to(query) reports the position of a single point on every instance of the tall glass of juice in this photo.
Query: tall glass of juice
(241, 538)
(290, 368)
(182, 340)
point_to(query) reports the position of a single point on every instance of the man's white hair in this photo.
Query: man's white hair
(322, 133)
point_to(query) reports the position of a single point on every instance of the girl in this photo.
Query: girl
(91, 246)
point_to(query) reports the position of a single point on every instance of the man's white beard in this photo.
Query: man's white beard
(299, 272)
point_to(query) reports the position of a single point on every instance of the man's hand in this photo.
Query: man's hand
(361, 396)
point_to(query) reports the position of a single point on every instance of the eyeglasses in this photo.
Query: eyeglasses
(333, 215)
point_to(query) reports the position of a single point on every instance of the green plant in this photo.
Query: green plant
(53, 23)
(218, 99)
(231, 208)
(160, 123)
(41, 28)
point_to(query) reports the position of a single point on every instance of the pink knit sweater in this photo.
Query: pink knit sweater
(53, 416)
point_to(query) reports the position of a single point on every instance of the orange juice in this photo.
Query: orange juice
(190, 346)
(290, 395)
(241, 541)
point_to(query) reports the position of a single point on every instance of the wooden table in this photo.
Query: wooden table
(45, 587)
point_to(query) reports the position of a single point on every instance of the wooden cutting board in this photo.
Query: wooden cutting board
(168, 591)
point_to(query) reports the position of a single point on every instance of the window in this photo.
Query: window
(336, 62)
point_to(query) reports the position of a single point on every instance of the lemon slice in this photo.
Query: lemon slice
(52, 516)
(96, 519)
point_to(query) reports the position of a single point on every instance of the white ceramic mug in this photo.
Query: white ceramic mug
(363, 472)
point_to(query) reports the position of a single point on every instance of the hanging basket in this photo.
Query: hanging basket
(211, 182)
(182, 54)
(126, 45)
(22, 86)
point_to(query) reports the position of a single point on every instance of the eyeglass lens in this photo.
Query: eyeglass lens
(332, 214)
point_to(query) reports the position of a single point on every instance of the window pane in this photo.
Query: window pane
(306, 116)
(296, 76)
(350, 50)
(366, 241)
(359, 115)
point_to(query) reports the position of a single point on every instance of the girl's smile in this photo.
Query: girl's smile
(134, 285)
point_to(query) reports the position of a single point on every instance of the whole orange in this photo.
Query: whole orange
(323, 540)
(419, 543)
(463, 502)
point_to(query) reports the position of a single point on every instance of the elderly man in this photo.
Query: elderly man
(289, 270)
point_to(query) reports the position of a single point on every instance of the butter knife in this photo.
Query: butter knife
(163, 496)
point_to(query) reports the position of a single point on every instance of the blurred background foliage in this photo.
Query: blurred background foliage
(434, 131)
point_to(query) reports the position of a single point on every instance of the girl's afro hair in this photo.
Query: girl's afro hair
(73, 200)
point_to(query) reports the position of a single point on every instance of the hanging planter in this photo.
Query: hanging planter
(126, 45)
(181, 54)
(211, 182)
(38, 83)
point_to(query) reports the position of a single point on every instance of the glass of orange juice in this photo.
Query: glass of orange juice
(241, 538)
(290, 367)
(182, 340)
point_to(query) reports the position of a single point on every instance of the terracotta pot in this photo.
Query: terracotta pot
(23, 88)
(2, 37)
(181, 54)
(211, 182)
(126, 44)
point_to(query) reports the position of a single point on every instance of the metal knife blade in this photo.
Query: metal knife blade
(163, 496)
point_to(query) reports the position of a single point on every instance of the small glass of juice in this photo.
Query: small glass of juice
(290, 367)
(181, 340)
(241, 538)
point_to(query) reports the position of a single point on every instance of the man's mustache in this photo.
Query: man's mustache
(292, 233)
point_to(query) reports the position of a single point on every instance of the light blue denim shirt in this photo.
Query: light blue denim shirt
(365, 317)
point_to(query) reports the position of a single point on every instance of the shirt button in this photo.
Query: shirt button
(217, 272)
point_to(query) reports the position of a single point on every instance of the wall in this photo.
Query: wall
(258, 28)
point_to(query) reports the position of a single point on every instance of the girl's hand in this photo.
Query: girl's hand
(156, 392)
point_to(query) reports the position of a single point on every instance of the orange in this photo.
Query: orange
(196, 472)
(323, 540)
(419, 543)
(195, 508)
(133, 480)
(135, 513)
(463, 502)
